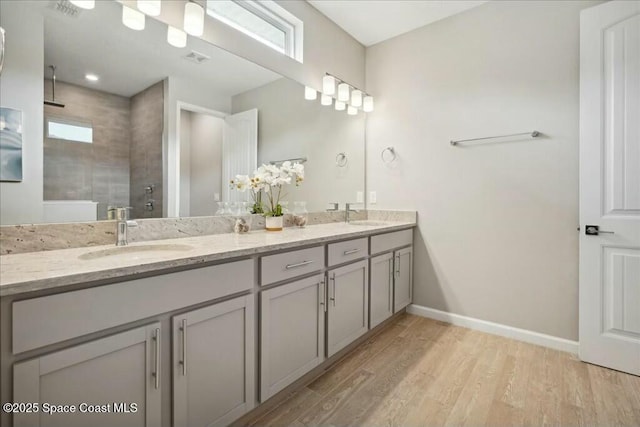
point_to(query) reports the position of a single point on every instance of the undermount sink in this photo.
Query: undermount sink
(134, 250)
(370, 223)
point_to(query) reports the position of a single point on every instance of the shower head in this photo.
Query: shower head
(53, 102)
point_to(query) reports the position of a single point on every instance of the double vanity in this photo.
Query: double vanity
(195, 331)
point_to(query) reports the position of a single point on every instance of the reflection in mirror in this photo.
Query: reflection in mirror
(170, 127)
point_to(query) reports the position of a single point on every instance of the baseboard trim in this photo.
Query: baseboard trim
(496, 328)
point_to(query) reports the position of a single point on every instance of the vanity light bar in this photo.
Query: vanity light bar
(347, 96)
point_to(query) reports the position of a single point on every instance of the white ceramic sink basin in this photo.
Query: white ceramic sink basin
(133, 251)
(369, 223)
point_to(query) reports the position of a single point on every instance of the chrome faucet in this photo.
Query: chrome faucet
(123, 225)
(336, 207)
(347, 210)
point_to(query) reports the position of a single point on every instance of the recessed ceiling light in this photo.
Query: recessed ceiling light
(92, 77)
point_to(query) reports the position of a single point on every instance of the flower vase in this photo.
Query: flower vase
(274, 223)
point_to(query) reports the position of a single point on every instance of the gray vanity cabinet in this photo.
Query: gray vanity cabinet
(403, 287)
(381, 289)
(348, 305)
(292, 332)
(214, 363)
(120, 370)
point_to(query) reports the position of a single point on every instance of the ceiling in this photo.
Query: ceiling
(128, 61)
(373, 21)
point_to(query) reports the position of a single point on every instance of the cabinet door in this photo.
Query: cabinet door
(381, 289)
(292, 333)
(403, 287)
(348, 305)
(120, 371)
(213, 364)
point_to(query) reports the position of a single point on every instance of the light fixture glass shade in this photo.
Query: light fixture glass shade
(352, 111)
(84, 4)
(340, 106)
(193, 19)
(150, 7)
(328, 85)
(367, 104)
(310, 93)
(356, 98)
(326, 100)
(132, 18)
(343, 92)
(176, 37)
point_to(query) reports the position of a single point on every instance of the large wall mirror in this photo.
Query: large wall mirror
(137, 122)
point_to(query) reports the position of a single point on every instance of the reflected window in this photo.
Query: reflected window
(265, 21)
(69, 131)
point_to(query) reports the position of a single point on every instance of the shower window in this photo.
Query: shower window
(69, 131)
(265, 21)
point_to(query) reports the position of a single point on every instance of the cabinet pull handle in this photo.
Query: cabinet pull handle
(352, 251)
(323, 298)
(398, 266)
(333, 279)
(390, 283)
(300, 264)
(156, 372)
(183, 362)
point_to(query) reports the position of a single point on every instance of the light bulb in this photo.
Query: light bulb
(310, 93)
(352, 111)
(326, 100)
(193, 19)
(176, 37)
(343, 92)
(91, 77)
(356, 98)
(84, 4)
(150, 7)
(328, 85)
(340, 106)
(367, 104)
(132, 18)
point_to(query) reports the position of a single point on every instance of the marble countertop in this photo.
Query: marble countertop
(28, 272)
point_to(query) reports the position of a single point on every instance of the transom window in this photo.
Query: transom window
(265, 21)
(69, 130)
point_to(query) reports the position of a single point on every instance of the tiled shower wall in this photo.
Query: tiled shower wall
(147, 119)
(80, 171)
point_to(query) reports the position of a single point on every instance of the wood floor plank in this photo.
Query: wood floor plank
(319, 413)
(611, 401)
(356, 359)
(287, 413)
(420, 372)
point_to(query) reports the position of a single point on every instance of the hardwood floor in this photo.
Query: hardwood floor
(421, 372)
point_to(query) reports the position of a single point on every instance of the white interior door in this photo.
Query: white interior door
(610, 185)
(239, 150)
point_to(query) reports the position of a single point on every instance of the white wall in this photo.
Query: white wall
(497, 235)
(21, 87)
(290, 127)
(327, 47)
(206, 163)
(185, 163)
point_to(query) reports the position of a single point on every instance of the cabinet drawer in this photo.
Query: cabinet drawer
(275, 268)
(389, 241)
(348, 251)
(46, 320)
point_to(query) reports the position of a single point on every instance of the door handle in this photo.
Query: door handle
(398, 266)
(594, 230)
(156, 369)
(183, 362)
